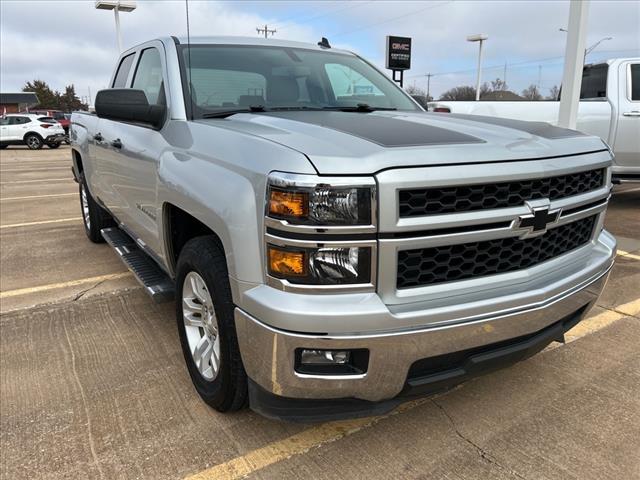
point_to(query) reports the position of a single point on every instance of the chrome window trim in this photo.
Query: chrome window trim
(282, 284)
(285, 180)
(629, 85)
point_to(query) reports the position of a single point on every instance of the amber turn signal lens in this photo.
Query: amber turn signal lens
(288, 204)
(286, 263)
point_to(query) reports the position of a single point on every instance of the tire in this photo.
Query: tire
(94, 217)
(53, 145)
(33, 141)
(3, 146)
(224, 388)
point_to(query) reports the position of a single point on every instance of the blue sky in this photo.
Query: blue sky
(78, 46)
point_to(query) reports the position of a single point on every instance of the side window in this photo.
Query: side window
(4, 120)
(635, 82)
(123, 72)
(148, 76)
(19, 120)
(349, 84)
(594, 81)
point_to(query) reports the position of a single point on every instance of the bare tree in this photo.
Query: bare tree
(499, 85)
(554, 93)
(464, 92)
(532, 93)
(419, 95)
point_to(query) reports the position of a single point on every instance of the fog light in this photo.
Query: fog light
(331, 362)
(324, 357)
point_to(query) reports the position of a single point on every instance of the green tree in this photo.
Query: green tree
(47, 97)
(69, 101)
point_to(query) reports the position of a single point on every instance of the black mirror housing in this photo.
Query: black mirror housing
(129, 105)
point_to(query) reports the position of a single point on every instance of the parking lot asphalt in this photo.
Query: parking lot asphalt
(93, 383)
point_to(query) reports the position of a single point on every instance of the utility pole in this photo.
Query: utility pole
(504, 77)
(266, 30)
(429, 75)
(539, 75)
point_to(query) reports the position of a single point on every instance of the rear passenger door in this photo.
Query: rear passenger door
(627, 141)
(18, 127)
(134, 153)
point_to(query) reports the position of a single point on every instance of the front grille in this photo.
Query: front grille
(438, 200)
(428, 266)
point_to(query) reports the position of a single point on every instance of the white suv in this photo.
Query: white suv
(32, 130)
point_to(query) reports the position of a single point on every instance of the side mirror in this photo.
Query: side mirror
(129, 105)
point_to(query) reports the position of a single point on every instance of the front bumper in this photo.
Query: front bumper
(268, 352)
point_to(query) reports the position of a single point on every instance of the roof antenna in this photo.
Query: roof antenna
(186, 3)
(324, 43)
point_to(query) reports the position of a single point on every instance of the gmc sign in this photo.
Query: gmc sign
(398, 53)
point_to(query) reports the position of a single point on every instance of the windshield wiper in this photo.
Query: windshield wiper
(295, 108)
(361, 107)
(228, 113)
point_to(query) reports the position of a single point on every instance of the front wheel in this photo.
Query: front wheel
(33, 141)
(204, 311)
(53, 145)
(94, 217)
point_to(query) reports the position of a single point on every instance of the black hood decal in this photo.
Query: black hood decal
(384, 130)
(540, 129)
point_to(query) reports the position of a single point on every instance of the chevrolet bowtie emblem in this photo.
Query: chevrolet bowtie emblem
(541, 217)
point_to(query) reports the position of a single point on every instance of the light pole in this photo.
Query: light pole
(587, 51)
(117, 6)
(481, 37)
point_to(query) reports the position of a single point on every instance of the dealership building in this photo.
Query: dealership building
(17, 102)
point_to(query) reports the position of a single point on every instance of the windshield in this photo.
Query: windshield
(225, 78)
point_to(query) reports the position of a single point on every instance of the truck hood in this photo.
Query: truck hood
(365, 143)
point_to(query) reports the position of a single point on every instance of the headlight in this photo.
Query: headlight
(318, 201)
(326, 265)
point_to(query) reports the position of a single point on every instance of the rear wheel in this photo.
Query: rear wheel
(53, 145)
(204, 311)
(94, 217)
(33, 141)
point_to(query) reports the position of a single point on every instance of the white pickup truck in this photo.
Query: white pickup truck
(609, 108)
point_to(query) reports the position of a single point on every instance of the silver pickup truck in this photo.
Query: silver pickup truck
(332, 248)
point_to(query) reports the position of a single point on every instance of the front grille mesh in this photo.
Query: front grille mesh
(428, 266)
(439, 200)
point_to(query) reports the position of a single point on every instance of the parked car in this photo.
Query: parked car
(332, 250)
(58, 115)
(609, 108)
(31, 130)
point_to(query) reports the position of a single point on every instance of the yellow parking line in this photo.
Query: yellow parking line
(300, 443)
(43, 169)
(631, 308)
(38, 181)
(44, 222)
(55, 286)
(39, 196)
(622, 253)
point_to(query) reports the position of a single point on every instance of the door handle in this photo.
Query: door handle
(633, 113)
(98, 137)
(116, 143)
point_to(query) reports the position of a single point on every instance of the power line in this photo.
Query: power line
(347, 32)
(331, 12)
